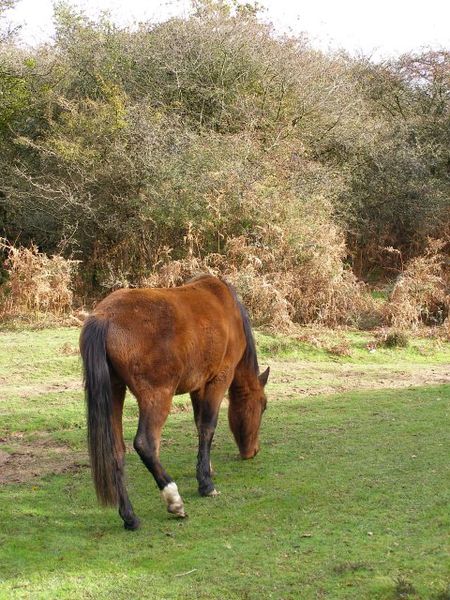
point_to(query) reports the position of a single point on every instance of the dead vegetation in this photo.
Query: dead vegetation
(281, 293)
(421, 294)
(393, 338)
(279, 290)
(38, 287)
(215, 145)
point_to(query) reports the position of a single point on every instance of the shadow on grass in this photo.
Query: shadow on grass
(336, 502)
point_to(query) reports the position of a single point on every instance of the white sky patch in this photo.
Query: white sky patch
(385, 27)
(382, 28)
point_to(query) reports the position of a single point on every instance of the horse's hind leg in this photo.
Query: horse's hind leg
(130, 520)
(154, 407)
(206, 404)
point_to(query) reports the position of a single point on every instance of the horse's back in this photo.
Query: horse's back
(179, 337)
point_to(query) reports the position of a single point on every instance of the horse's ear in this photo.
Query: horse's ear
(264, 377)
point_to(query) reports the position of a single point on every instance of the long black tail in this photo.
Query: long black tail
(97, 386)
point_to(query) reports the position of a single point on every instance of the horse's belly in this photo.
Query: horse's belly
(182, 390)
(196, 379)
(189, 384)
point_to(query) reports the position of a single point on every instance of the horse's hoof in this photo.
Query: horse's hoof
(208, 489)
(177, 510)
(132, 525)
(213, 493)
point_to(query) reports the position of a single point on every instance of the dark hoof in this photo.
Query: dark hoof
(207, 490)
(132, 525)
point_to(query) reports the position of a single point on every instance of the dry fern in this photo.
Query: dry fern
(36, 283)
(422, 292)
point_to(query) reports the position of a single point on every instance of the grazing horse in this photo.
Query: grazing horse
(159, 342)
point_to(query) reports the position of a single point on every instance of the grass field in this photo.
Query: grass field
(349, 497)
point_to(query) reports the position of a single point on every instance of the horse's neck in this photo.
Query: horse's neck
(244, 384)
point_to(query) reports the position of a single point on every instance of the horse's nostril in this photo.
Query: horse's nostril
(250, 454)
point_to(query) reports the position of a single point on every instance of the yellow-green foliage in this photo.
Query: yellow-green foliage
(287, 169)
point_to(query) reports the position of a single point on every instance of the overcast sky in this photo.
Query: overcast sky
(379, 28)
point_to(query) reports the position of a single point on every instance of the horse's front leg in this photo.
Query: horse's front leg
(206, 404)
(154, 408)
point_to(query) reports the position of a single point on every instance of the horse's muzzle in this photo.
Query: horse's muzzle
(250, 454)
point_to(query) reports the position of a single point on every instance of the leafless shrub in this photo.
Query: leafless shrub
(170, 273)
(271, 149)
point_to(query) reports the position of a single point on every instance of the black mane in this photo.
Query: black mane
(250, 359)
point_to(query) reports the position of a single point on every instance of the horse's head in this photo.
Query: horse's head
(247, 404)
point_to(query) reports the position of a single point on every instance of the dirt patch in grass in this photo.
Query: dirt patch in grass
(38, 389)
(351, 567)
(26, 459)
(295, 379)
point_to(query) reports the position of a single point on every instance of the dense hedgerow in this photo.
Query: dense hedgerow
(211, 142)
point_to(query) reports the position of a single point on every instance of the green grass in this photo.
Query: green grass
(419, 350)
(348, 499)
(42, 356)
(49, 354)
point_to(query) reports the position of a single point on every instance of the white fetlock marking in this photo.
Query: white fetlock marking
(214, 492)
(173, 499)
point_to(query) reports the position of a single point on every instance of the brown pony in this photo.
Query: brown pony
(195, 338)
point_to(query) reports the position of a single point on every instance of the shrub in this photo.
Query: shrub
(36, 284)
(277, 288)
(291, 169)
(422, 292)
(395, 339)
